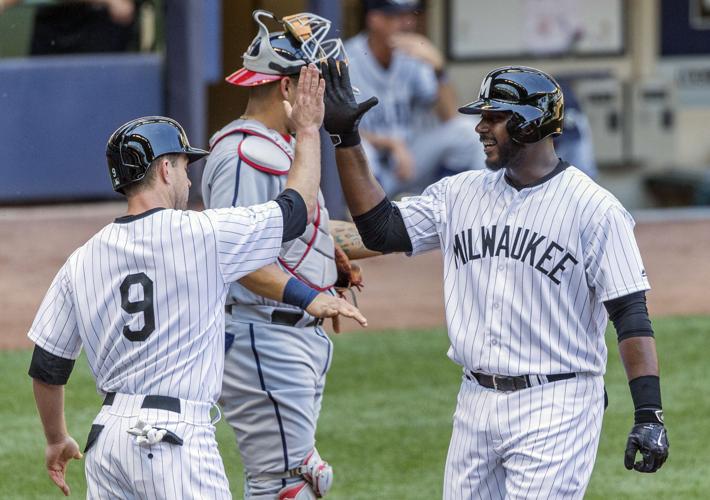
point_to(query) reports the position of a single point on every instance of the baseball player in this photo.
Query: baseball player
(537, 257)
(414, 135)
(277, 353)
(145, 298)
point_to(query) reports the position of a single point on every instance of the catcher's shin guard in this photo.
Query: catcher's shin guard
(297, 491)
(318, 473)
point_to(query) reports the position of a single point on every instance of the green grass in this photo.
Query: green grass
(386, 420)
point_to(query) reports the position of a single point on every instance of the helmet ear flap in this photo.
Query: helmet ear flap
(521, 131)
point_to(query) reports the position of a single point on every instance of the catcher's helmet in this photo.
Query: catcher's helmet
(273, 55)
(134, 145)
(533, 97)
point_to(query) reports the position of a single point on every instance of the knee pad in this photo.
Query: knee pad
(318, 473)
(297, 491)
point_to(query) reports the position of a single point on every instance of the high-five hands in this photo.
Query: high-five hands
(308, 108)
(342, 111)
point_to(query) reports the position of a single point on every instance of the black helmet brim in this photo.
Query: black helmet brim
(194, 154)
(528, 113)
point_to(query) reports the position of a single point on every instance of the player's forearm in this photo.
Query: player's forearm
(361, 189)
(304, 175)
(269, 282)
(638, 355)
(347, 237)
(446, 107)
(378, 141)
(50, 405)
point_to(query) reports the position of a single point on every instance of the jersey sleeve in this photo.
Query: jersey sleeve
(248, 238)
(612, 257)
(55, 328)
(424, 217)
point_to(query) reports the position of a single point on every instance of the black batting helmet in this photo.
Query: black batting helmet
(134, 145)
(532, 96)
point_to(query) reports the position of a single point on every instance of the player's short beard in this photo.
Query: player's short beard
(509, 156)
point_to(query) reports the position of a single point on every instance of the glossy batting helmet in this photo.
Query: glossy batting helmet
(273, 55)
(533, 97)
(134, 145)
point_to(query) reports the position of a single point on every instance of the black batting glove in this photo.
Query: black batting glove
(342, 111)
(649, 437)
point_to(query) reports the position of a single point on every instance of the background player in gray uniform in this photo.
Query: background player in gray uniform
(414, 136)
(537, 257)
(277, 353)
(145, 298)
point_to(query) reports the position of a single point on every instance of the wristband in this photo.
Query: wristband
(345, 140)
(646, 394)
(298, 294)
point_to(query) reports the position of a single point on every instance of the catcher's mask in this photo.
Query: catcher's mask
(533, 98)
(273, 55)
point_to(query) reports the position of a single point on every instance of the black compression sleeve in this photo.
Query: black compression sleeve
(295, 213)
(630, 316)
(382, 228)
(49, 368)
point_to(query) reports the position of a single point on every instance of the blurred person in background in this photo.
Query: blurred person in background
(80, 26)
(414, 136)
(576, 145)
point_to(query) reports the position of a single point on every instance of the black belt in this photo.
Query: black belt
(505, 383)
(285, 317)
(153, 402)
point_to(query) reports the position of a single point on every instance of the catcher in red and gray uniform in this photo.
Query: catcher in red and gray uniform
(277, 354)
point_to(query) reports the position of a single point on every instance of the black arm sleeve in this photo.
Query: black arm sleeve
(630, 316)
(382, 228)
(295, 213)
(49, 368)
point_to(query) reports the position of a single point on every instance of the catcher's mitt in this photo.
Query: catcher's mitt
(349, 274)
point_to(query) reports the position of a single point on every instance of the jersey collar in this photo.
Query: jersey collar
(130, 218)
(560, 167)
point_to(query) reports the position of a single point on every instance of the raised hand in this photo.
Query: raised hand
(419, 46)
(342, 111)
(308, 108)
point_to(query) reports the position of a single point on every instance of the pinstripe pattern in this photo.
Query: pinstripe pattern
(506, 312)
(116, 467)
(535, 443)
(188, 260)
(191, 258)
(526, 273)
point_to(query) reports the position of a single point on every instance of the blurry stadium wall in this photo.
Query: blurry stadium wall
(47, 104)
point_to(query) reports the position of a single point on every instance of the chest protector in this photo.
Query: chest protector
(310, 257)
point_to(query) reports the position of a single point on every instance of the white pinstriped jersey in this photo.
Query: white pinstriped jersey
(145, 297)
(526, 272)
